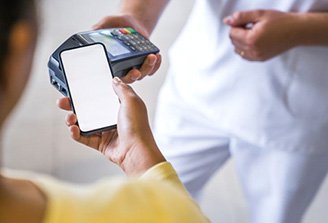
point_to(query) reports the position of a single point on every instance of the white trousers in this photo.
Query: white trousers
(279, 185)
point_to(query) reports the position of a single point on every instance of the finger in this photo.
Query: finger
(238, 34)
(98, 25)
(131, 76)
(70, 119)
(228, 20)
(148, 65)
(157, 65)
(122, 90)
(64, 103)
(91, 141)
(75, 132)
(101, 24)
(239, 45)
(240, 52)
(244, 54)
(243, 18)
(76, 135)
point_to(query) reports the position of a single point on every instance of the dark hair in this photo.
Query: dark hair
(11, 11)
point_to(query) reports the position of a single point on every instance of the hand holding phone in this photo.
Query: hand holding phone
(88, 78)
(131, 146)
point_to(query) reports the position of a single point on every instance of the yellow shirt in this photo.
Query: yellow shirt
(157, 196)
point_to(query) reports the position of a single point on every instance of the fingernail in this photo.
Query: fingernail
(227, 20)
(97, 25)
(117, 80)
(152, 61)
(136, 77)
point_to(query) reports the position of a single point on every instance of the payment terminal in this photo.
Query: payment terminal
(126, 49)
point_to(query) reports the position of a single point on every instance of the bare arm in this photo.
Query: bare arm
(313, 28)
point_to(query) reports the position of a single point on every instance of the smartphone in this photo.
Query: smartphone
(88, 76)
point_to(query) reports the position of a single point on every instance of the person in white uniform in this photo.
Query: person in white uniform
(247, 79)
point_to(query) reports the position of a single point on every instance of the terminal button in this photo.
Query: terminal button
(124, 31)
(132, 31)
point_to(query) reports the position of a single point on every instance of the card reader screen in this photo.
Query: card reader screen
(112, 45)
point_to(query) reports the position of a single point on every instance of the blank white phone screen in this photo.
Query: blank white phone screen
(89, 80)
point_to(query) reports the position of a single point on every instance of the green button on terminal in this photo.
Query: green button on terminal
(131, 30)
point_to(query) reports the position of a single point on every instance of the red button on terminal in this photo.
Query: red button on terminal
(124, 31)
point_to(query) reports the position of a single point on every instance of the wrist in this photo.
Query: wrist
(310, 28)
(294, 29)
(298, 30)
(141, 157)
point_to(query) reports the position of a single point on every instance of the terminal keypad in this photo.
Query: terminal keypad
(133, 40)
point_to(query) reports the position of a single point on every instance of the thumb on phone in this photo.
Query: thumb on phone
(121, 89)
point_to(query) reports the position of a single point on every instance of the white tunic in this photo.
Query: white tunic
(281, 103)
